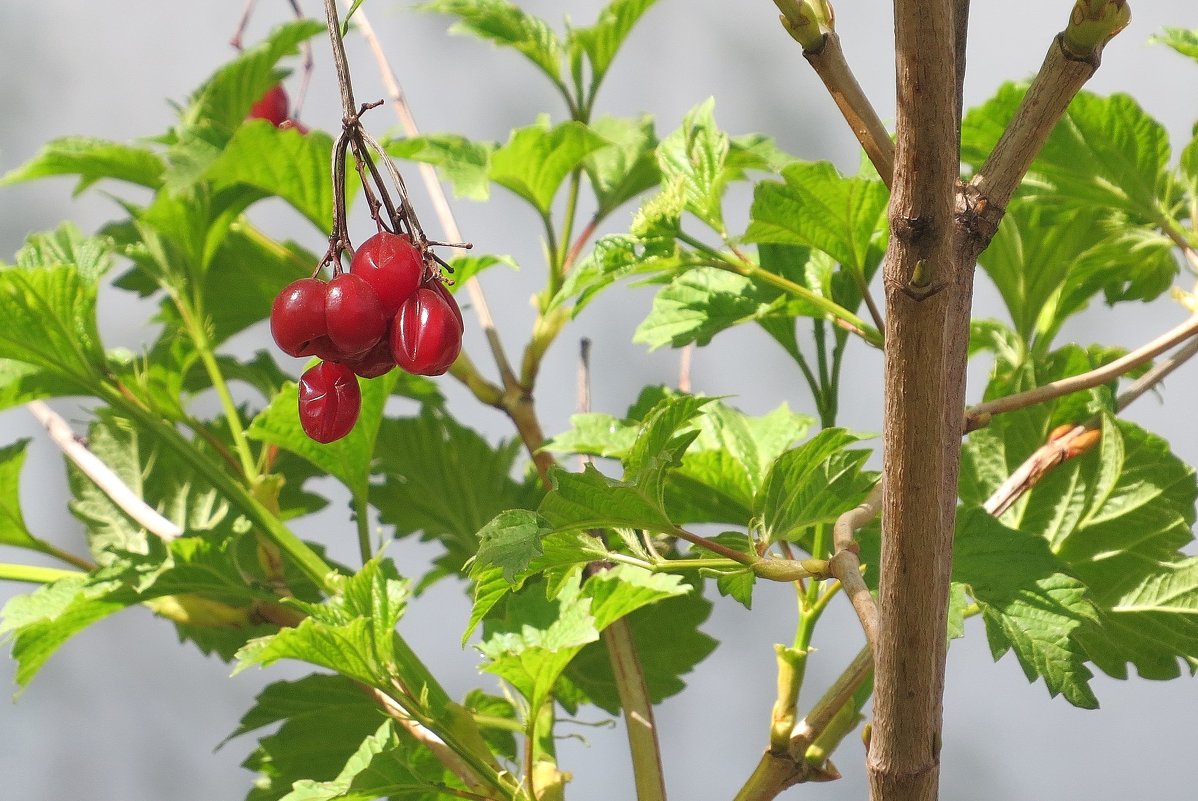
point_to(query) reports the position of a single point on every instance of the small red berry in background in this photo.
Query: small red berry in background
(392, 265)
(329, 401)
(274, 106)
(426, 335)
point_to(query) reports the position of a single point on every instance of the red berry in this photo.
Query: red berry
(392, 265)
(375, 362)
(353, 315)
(329, 400)
(425, 336)
(297, 318)
(444, 292)
(272, 106)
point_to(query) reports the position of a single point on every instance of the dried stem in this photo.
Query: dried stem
(1079, 439)
(108, 482)
(845, 564)
(979, 416)
(436, 194)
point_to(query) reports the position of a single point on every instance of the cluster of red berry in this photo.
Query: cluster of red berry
(389, 310)
(275, 108)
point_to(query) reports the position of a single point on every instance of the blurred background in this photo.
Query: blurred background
(123, 713)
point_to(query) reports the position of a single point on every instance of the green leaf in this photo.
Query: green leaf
(1048, 263)
(595, 434)
(21, 383)
(819, 208)
(349, 459)
(92, 160)
(517, 545)
(602, 40)
(39, 623)
(812, 484)
(385, 764)
(49, 316)
(153, 473)
(1181, 40)
(90, 255)
(694, 157)
(353, 633)
(13, 530)
(1029, 602)
(1105, 153)
(323, 718)
(537, 158)
(728, 463)
(629, 166)
(667, 640)
(465, 163)
(466, 267)
(1119, 516)
(1029, 261)
(535, 641)
(225, 98)
(701, 302)
(446, 482)
(282, 163)
(592, 500)
(233, 297)
(510, 542)
(506, 25)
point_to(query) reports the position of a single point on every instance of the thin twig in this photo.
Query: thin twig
(812, 725)
(830, 65)
(101, 474)
(685, 357)
(436, 193)
(845, 564)
(444, 754)
(1078, 439)
(979, 416)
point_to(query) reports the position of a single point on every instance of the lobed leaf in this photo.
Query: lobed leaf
(815, 206)
(813, 484)
(92, 160)
(445, 481)
(507, 25)
(281, 163)
(465, 163)
(536, 159)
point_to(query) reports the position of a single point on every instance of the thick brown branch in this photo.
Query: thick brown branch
(927, 288)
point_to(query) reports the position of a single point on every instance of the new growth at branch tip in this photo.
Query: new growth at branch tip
(807, 21)
(1092, 23)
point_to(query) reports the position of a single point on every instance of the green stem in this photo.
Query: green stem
(304, 557)
(362, 515)
(32, 574)
(637, 707)
(241, 445)
(557, 273)
(754, 272)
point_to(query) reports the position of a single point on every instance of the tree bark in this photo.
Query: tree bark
(928, 289)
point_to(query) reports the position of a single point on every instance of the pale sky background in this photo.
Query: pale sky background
(123, 713)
